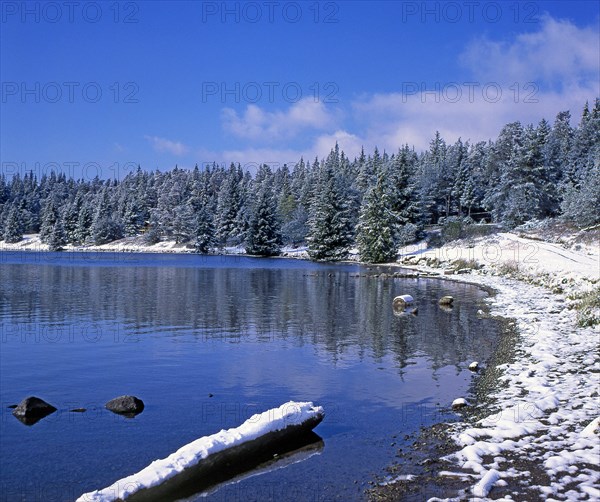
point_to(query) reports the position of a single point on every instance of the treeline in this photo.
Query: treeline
(376, 202)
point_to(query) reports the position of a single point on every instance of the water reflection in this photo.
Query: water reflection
(327, 307)
(208, 341)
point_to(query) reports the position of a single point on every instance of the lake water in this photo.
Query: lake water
(78, 329)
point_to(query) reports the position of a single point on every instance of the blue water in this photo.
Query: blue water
(78, 329)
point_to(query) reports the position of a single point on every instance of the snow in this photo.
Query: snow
(390, 480)
(546, 407)
(32, 242)
(459, 402)
(288, 414)
(405, 298)
(485, 484)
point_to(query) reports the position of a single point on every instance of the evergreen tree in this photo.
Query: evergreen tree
(377, 226)
(402, 190)
(50, 217)
(13, 226)
(105, 227)
(58, 237)
(331, 231)
(205, 231)
(263, 236)
(228, 207)
(581, 205)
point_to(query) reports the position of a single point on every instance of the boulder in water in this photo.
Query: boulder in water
(446, 300)
(125, 405)
(32, 409)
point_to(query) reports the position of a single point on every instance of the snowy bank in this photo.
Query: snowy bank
(544, 413)
(32, 242)
(257, 434)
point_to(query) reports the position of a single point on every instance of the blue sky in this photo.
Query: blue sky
(100, 87)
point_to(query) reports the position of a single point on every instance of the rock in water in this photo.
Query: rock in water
(446, 300)
(32, 409)
(474, 366)
(125, 405)
(402, 301)
(459, 403)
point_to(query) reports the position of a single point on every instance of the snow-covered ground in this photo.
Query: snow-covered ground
(159, 471)
(547, 406)
(32, 242)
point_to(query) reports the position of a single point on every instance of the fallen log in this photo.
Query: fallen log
(203, 462)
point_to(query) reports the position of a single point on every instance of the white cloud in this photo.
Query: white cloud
(534, 76)
(258, 124)
(555, 68)
(559, 54)
(349, 143)
(166, 145)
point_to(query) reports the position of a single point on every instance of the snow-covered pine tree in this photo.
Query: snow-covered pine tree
(105, 227)
(263, 237)
(402, 186)
(331, 232)
(432, 178)
(58, 237)
(377, 226)
(228, 207)
(557, 153)
(205, 231)
(581, 205)
(50, 216)
(13, 226)
(85, 219)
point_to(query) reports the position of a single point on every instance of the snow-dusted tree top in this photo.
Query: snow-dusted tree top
(376, 201)
(277, 419)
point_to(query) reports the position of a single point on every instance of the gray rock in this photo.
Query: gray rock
(446, 300)
(125, 405)
(32, 409)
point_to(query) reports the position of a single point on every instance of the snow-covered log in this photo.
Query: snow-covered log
(175, 474)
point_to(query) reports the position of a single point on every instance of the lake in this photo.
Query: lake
(206, 342)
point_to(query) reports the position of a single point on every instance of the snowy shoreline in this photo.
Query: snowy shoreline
(546, 403)
(546, 407)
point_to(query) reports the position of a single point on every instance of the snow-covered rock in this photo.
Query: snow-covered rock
(291, 416)
(460, 402)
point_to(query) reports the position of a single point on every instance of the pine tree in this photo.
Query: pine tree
(85, 220)
(331, 232)
(13, 226)
(105, 228)
(228, 207)
(263, 237)
(377, 226)
(205, 231)
(57, 238)
(582, 205)
(402, 190)
(50, 217)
